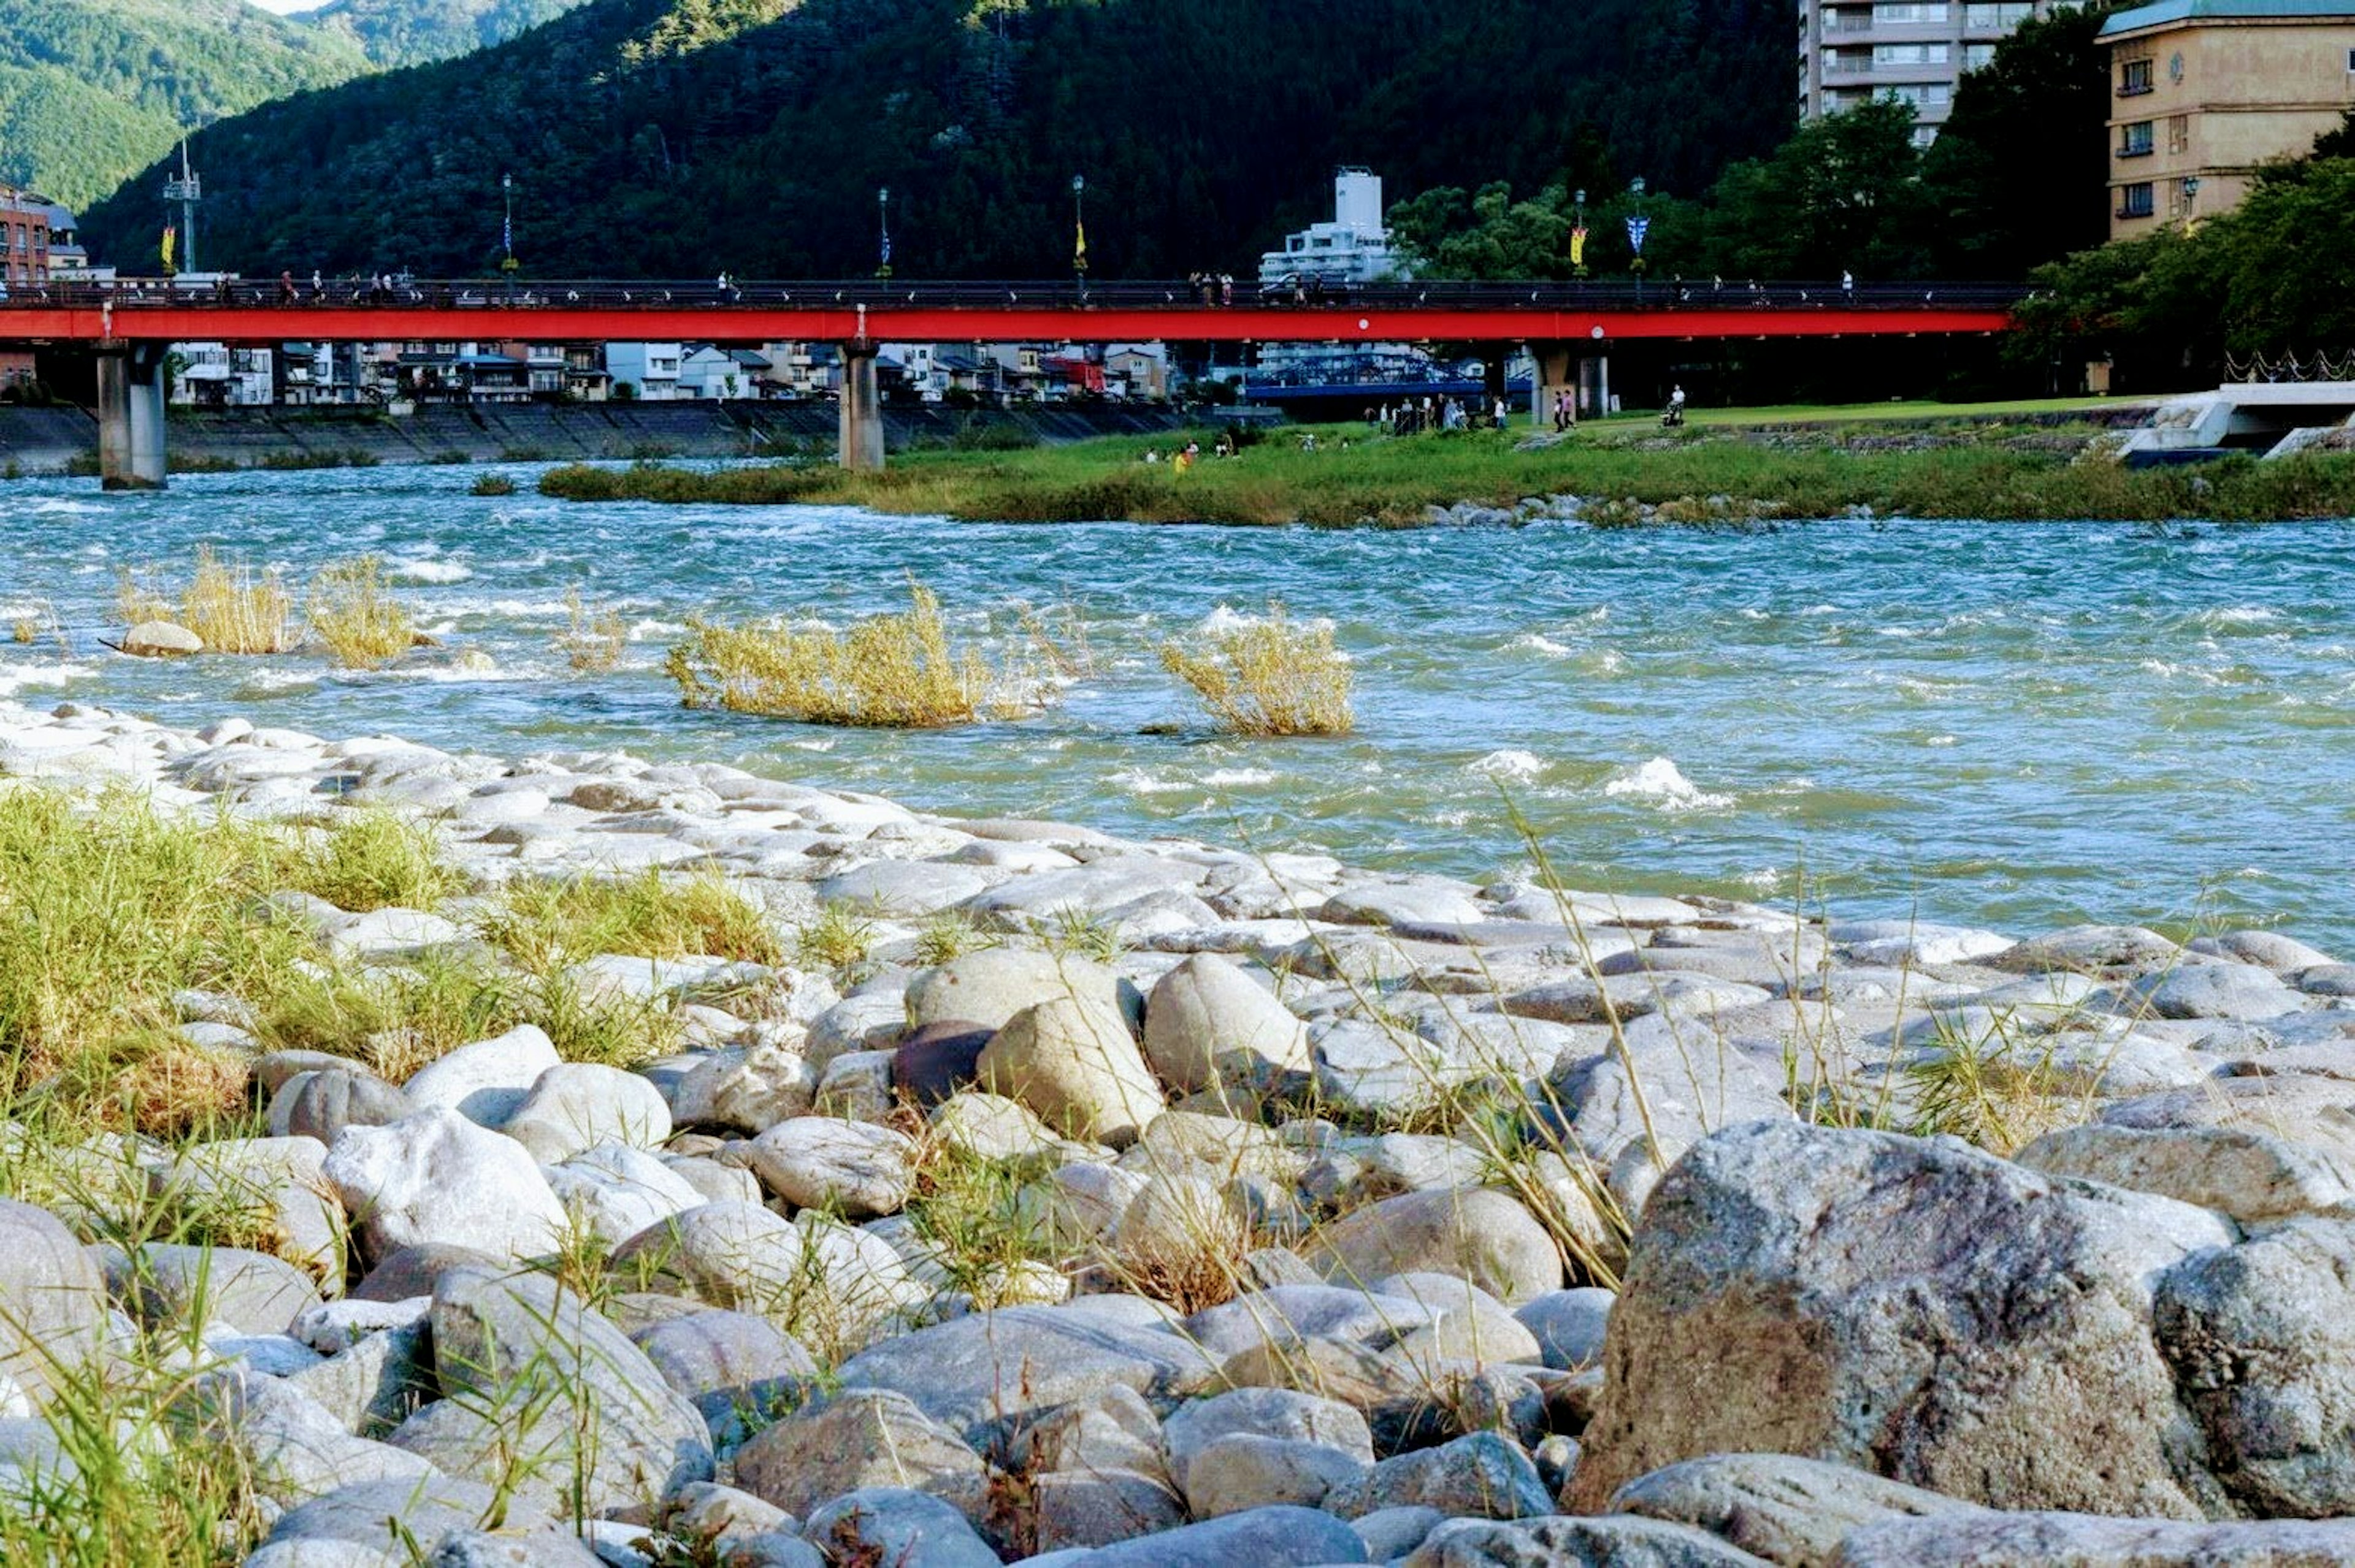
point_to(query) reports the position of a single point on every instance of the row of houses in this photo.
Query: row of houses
(38, 242)
(308, 374)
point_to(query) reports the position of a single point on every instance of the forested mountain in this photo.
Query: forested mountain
(683, 138)
(92, 91)
(411, 32)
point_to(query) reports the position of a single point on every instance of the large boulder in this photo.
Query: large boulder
(2262, 1338)
(1911, 1307)
(484, 1081)
(1207, 1019)
(436, 1176)
(988, 987)
(1788, 1510)
(52, 1300)
(576, 1106)
(2083, 1541)
(530, 1375)
(1073, 1062)
(856, 1169)
(1472, 1232)
(2246, 1172)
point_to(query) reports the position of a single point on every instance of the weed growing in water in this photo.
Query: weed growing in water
(230, 609)
(593, 639)
(360, 625)
(1268, 677)
(839, 940)
(889, 671)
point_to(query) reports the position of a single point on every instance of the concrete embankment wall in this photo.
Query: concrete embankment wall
(38, 441)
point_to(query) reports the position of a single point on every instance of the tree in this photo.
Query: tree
(1842, 194)
(2338, 143)
(2016, 174)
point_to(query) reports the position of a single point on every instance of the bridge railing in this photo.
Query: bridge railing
(751, 295)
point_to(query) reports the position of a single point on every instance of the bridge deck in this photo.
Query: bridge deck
(874, 310)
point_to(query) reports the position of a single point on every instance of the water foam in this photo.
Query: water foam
(428, 572)
(1508, 763)
(1662, 783)
(17, 678)
(1537, 643)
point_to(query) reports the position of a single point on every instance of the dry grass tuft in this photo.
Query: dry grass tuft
(360, 625)
(592, 638)
(1268, 677)
(891, 671)
(233, 611)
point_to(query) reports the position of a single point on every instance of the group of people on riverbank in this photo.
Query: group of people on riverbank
(1413, 416)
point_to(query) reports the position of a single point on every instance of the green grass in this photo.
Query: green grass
(1992, 471)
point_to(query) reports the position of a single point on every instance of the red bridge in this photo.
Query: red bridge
(131, 323)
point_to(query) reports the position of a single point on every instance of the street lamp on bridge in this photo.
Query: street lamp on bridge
(507, 232)
(883, 221)
(1080, 233)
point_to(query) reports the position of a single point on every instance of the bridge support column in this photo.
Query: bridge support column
(131, 416)
(1594, 386)
(862, 411)
(1553, 379)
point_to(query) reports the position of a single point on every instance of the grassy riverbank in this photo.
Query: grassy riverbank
(2002, 470)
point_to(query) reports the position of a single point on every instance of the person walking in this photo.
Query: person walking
(1227, 289)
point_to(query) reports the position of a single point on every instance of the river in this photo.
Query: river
(2012, 725)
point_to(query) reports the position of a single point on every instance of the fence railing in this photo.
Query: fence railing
(750, 296)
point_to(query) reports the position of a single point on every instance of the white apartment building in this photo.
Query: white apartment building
(650, 369)
(1355, 248)
(1854, 50)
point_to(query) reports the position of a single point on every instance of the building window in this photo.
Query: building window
(2135, 200)
(2178, 132)
(1915, 13)
(1978, 55)
(2008, 16)
(2134, 141)
(1921, 95)
(1909, 54)
(2134, 77)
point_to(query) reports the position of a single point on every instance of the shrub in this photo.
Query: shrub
(1269, 676)
(349, 612)
(233, 612)
(889, 671)
(494, 485)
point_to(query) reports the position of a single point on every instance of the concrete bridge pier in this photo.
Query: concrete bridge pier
(861, 448)
(1572, 368)
(131, 416)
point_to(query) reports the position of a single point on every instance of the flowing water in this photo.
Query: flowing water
(2013, 725)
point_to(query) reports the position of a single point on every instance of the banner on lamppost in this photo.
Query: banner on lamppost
(171, 242)
(1638, 227)
(1578, 246)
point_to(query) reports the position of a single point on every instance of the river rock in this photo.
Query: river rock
(2104, 951)
(938, 1060)
(859, 1438)
(1180, 1234)
(1788, 1510)
(1569, 1325)
(886, 1525)
(322, 1104)
(527, 1370)
(991, 1127)
(52, 1300)
(1472, 1327)
(1469, 1232)
(279, 1181)
(435, 1176)
(1280, 1537)
(485, 1080)
(750, 1090)
(989, 986)
(1112, 1427)
(1483, 1476)
(1911, 1307)
(731, 1366)
(160, 639)
(2244, 1172)
(169, 1284)
(1100, 1506)
(2282, 954)
(2262, 1338)
(386, 1517)
(614, 1191)
(1205, 1017)
(854, 1168)
(1243, 1470)
(1620, 1541)
(2083, 1541)
(1074, 1063)
(1273, 1414)
(2217, 991)
(991, 1372)
(577, 1105)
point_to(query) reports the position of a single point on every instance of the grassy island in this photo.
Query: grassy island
(1995, 468)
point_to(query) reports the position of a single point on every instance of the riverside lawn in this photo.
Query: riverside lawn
(1997, 470)
(947, 1191)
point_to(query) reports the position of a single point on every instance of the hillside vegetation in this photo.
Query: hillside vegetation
(411, 32)
(682, 137)
(94, 91)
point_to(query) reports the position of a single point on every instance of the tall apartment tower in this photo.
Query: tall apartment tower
(1854, 50)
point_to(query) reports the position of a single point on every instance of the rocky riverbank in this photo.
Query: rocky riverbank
(1049, 1196)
